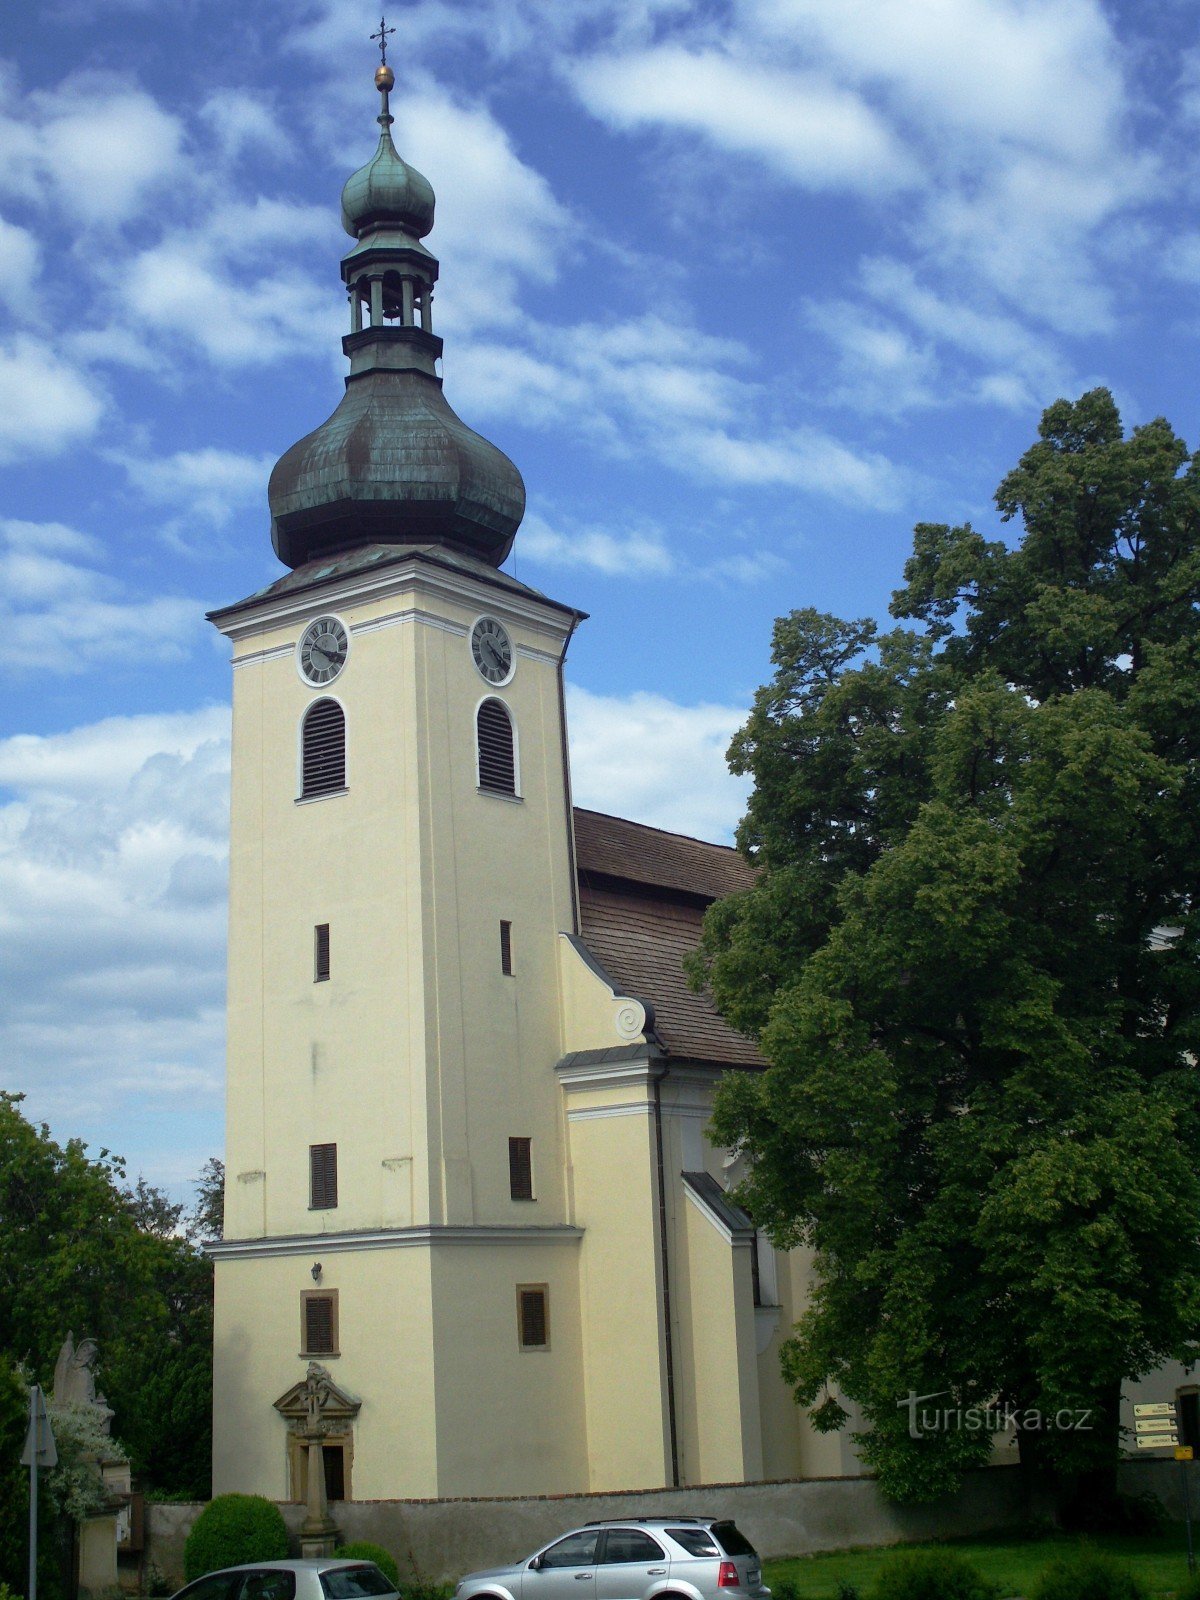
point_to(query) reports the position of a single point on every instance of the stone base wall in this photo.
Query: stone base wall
(440, 1540)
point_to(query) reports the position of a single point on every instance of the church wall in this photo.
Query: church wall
(616, 1203)
(509, 1420)
(722, 1442)
(385, 1360)
(323, 1062)
(780, 1418)
(491, 1039)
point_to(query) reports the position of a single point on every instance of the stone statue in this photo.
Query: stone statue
(75, 1378)
(317, 1389)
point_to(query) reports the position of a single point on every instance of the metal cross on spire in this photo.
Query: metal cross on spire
(382, 36)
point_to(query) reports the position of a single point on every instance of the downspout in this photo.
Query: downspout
(668, 1342)
(572, 870)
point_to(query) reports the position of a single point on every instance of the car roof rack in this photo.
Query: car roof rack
(652, 1516)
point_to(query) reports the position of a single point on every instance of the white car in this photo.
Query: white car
(311, 1578)
(631, 1558)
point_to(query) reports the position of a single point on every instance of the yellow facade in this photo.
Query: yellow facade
(420, 1057)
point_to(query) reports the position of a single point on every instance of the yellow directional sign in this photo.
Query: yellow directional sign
(1155, 1408)
(1184, 1452)
(1156, 1441)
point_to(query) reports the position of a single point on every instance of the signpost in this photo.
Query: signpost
(40, 1451)
(1156, 1426)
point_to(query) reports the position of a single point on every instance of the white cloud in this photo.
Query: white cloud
(59, 612)
(799, 458)
(93, 156)
(241, 123)
(112, 931)
(1023, 369)
(189, 289)
(813, 132)
(1045, 75)
(625, 554)
(881, 369)
(652, 388)
(19, 259)
(45, 404)
(645, 757)
(498, 223)
(208, 483)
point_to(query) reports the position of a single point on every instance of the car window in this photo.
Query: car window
(628, 1544)
(213, 1586)
(349, 1583)
(576, 1550)
(732, 1541)
(695, 1541)
(269, 1585)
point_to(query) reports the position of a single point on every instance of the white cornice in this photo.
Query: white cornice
(609, 1075)
(303, 1244)
(629, 1108)
(255, 616)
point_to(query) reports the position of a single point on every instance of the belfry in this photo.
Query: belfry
(469, 1198)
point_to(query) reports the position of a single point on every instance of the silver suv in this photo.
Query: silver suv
(633, 1558)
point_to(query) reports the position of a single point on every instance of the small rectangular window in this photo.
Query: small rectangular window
(321, 953)
(318, 1323)
(506, 949)
(520, 1169)
(322, 1177)
(533, 1316)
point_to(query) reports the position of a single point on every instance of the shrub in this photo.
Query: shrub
(785, 1589)
(1191, 1589)
(1085, 1574)
(427, 1591)
(231, 1529)
(363, 1550)
(847, 1590)
(931, 1575)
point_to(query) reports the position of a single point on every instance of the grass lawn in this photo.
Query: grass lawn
(1160, 1560)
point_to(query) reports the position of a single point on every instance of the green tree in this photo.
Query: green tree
(81, 1251)
(970, 958)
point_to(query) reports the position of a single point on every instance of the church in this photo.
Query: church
(468, 1084)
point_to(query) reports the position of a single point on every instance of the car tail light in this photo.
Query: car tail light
(728, 1578)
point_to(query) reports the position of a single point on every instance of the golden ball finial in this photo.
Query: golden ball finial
(385, 78)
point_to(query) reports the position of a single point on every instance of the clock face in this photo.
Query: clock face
(321, 653)
(491, 650)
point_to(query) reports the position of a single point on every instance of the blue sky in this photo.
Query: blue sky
(744, 288)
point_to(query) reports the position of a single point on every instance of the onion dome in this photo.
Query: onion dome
(393, 464)
(387, 189)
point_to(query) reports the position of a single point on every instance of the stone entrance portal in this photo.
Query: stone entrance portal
(319, 1416)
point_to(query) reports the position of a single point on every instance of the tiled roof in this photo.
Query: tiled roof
(642, 894)
(614, 848)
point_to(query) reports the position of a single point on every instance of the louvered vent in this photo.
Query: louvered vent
(533, 1320)
(520, 1169)
(324, 749)
(322, 1177)
(320, 1324)
(497, 768)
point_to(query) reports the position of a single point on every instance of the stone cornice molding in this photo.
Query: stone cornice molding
(301, 1244)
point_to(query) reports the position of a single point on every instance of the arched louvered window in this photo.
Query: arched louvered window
(323, 754)
(497, 759)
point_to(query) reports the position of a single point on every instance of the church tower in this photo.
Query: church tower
(476, 1243)
(401, 878)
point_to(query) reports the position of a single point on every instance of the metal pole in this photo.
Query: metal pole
(34, 1396)
(1187, 1516)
